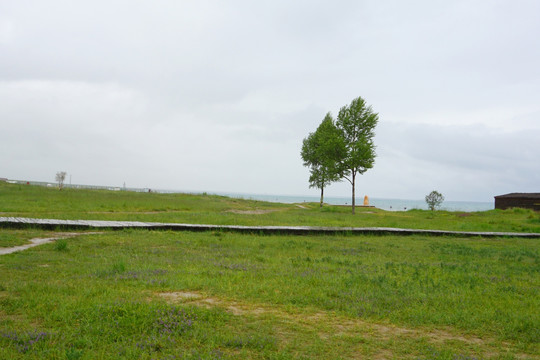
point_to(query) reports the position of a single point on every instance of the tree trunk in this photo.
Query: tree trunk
(322, 194)
(353, 197)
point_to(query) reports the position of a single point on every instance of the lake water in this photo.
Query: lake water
(385, 204)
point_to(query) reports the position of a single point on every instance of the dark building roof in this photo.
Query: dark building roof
(520, 196)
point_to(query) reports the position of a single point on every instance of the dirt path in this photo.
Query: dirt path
(40, 241)
(252, 212)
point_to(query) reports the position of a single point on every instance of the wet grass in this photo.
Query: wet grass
(40, 202)
(217, 295)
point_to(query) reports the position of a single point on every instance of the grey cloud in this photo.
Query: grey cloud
(216, 95)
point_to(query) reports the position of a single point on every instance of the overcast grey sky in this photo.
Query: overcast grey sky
(217, 95)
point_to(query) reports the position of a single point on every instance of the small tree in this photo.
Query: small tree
(321, 151)
(60, 177)
(434, 200)
(357, 123)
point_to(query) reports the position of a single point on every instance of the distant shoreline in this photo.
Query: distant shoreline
(384, 204)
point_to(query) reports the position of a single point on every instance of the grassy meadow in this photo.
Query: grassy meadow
(139, 294)
(40, 202)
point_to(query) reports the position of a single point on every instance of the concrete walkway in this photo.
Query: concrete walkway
(13, 222)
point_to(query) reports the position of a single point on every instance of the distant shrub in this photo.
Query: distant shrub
(434, 200)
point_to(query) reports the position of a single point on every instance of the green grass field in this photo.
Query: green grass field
(20, 237)
(138, 294)
(142, 294)
(40, 202)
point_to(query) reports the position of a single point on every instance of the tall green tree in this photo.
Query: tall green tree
(357, 123)
(322, 151)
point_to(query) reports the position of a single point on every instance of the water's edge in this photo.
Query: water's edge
(384, 204)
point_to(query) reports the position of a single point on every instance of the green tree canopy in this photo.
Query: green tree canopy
(434, 199)
(357, 123)
(322, 151)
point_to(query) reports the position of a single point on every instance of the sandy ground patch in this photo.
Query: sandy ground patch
(251, 212)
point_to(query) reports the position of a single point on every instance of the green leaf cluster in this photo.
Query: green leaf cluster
(434, 199)
(357, 123)
(322, 152)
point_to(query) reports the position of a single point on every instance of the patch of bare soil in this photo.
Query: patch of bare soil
(383, 355)
(251, 212)
(207, 302)
(179, 296)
